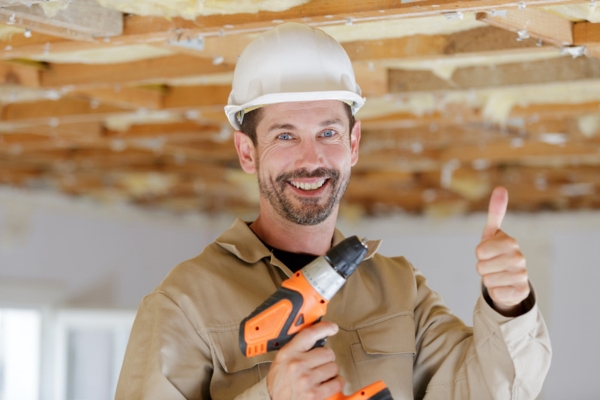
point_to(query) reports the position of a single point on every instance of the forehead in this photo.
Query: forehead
(303, 114)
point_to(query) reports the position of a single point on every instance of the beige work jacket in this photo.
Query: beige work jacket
(184, 342)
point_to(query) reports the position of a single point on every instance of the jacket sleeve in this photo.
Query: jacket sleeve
(499, 358)
(167, 359)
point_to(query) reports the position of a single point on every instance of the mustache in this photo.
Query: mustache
(304, 173)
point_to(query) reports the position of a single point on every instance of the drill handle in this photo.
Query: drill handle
(375, 391)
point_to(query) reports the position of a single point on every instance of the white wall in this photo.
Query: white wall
(87, 255)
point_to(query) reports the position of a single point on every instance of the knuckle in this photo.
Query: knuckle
(330, 354)
(480, 251)
(303, 381)
(512, 242)
(481, 268)
(295, 367)
(311, 395)
(339, 384)
(523, 276)
(487, 281)
(520, 260)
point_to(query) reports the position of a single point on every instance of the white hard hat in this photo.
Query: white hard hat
(291, 62)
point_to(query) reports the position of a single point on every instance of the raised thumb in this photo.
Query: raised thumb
(496, 212)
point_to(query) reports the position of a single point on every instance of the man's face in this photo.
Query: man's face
(303, 157)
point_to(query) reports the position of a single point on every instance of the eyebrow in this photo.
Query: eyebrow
(274, 127)
(328, 122)
(325, 123)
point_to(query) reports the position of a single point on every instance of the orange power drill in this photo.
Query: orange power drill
(300, 302)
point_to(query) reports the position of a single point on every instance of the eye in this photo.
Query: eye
(284, 136)
(328, 133)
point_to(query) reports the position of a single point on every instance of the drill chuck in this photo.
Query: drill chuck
(346, 256)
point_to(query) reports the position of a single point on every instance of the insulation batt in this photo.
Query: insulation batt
(190, 9)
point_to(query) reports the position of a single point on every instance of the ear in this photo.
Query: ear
(245, 150)
(354, 141)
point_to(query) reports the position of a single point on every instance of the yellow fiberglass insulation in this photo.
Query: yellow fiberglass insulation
(190, 9)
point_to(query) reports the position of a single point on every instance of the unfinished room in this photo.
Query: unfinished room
(154, 244)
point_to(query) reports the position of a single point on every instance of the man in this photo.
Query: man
(292, 104)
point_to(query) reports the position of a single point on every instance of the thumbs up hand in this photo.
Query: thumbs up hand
(500, 261)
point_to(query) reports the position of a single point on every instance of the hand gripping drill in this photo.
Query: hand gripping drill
(300, 302)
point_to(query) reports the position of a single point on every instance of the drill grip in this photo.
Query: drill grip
(293, 307)
(268, 327)
(375, 391)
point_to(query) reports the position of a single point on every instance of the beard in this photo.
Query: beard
(305, 211)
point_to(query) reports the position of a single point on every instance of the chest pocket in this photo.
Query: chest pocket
(386, 352)
(233, 372)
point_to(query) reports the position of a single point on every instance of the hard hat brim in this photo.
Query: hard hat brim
(354, 99)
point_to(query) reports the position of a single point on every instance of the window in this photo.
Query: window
(20, 338)
(89, 352)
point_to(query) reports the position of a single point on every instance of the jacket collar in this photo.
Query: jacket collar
(242, 242)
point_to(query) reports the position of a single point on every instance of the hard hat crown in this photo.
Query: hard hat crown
(291, 62)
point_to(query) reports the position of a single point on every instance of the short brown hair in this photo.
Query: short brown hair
(251, 120)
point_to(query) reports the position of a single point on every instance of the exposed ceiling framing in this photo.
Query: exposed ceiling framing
(461, 96)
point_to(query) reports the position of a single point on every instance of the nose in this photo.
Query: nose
(310, 155)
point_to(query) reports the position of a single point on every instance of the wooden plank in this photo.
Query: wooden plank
(19, 46)
(446, 119)
(144, 71)
(80, 20)
(372, 78)
(62, 130)
(585, 33)
(556, 110)
(16, 73)
(45, 111)
(189, 129)
(196, 96)
(7, 3)
(528, 152)
(20, 40)
(536, 23)
(479, 40)
(562, 69)
(126, 97)
(593, 51)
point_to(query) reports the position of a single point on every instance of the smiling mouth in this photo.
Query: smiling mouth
(308, 186)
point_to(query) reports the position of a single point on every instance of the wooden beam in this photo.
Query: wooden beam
(8, 3)
(16, 73)
(479, 40)
(483, 39)
(196, 96)
(140, 72)
(562, 69)
(534, 23)
(20, 46)
(44, 112)
(126, 97)
(202, 104)
(80, 20)
(22, 40)
(188, 129)
(585, 33)
(62, 130)
(593, 51)
(527, 152)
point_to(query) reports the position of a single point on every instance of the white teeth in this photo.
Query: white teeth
(308, 186)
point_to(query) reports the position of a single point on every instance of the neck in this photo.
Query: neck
(286, 235)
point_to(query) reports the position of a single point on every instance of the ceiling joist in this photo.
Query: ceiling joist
(75, 20)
